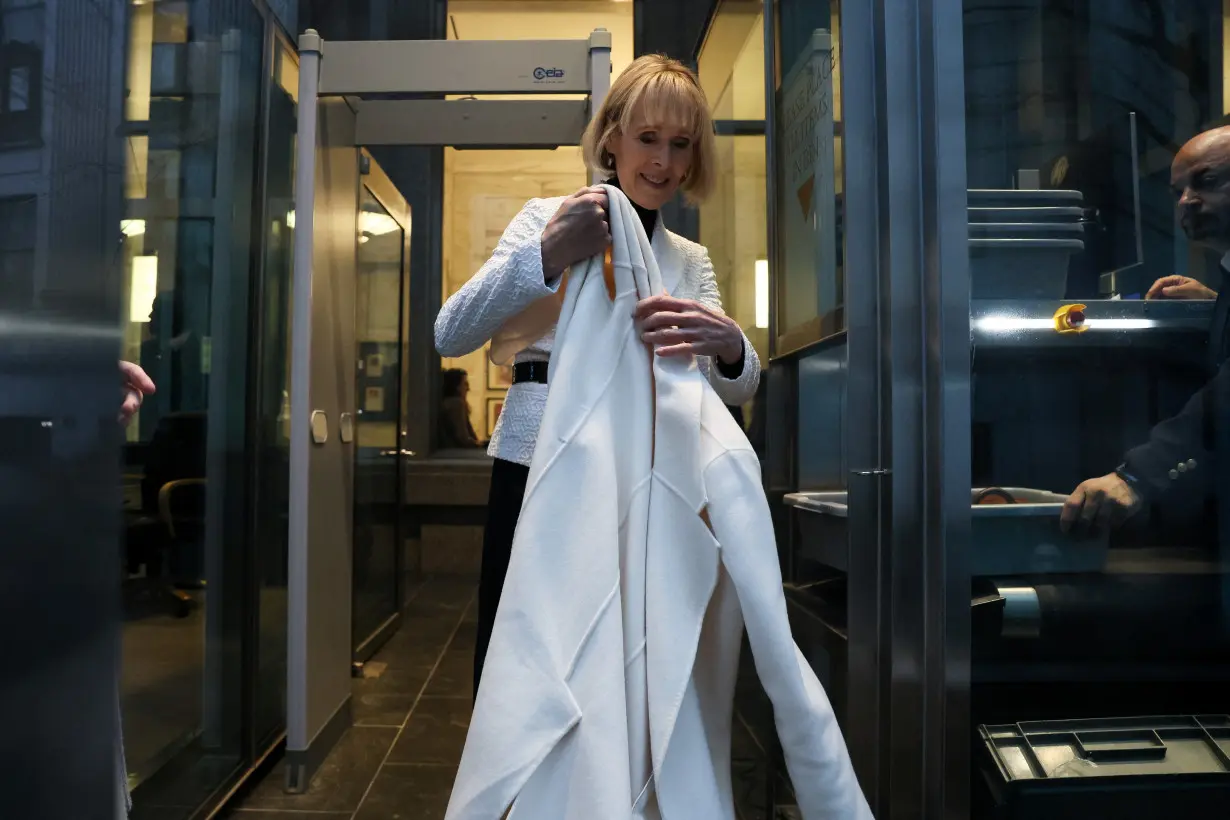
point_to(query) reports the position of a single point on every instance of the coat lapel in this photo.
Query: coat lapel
(670, 260)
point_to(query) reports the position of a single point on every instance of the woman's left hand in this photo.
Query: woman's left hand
(679, 327)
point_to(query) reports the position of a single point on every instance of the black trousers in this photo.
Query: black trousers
(503, 509)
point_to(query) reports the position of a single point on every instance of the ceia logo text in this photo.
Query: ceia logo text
(543, 74)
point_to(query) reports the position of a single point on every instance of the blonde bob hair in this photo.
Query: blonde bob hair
(661, 92)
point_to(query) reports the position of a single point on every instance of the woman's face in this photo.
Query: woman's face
(464, 388)
(651, 161)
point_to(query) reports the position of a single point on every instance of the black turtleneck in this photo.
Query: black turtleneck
(649, 219)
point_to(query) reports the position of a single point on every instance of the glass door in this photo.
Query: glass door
(384, 231)
(271, 433)
(1101, 601)
(190, 147)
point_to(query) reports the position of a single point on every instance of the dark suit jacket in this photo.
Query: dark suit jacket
(1181, 453)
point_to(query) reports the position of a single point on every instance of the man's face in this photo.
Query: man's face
(1200, 179)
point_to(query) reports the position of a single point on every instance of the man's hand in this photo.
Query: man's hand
(137, 385)
(1180, 287)
(1099, 502)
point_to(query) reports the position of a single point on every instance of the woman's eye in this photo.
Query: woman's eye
(648, 139)
(683, 144)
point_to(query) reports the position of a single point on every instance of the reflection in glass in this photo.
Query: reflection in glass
(811, 269)
(732, 220)
(189, 179)
(1074, 112)
(378, 333)
(733, 229)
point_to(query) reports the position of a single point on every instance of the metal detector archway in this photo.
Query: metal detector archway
(354, 95)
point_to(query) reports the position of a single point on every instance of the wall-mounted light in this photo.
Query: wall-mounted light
(132, 227)
(376, 224)
(144, 288)
(762, 293)
(369, 223)
(1016, 324)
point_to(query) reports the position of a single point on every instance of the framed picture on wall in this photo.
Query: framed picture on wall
(494, 407)
(499, 377)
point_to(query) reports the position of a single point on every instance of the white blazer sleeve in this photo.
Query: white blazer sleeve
(510, 281)
(731, 391)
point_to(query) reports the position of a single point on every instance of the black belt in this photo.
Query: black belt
(530, 372)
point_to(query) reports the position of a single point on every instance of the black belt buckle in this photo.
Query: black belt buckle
(535, 372)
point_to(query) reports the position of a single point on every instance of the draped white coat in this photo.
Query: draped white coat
(644, 547)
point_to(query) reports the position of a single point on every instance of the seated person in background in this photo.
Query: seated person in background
(1180, 450)
(456, 432)
(1198, 177)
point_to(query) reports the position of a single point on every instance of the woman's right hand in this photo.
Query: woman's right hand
(578, 231)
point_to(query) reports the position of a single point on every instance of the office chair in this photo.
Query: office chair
(170, 524)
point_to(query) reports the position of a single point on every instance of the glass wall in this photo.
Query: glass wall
(60, 394)
(192, 113)
(1099, 401)
(271, 432)
(732, 221)
(380, 308)
(810, 266)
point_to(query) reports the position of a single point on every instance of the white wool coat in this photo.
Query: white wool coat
(644, 548)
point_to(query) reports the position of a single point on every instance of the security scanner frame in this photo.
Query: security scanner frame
(368, 74)
(354, 95)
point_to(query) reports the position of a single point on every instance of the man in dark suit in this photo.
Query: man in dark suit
(1180, 454)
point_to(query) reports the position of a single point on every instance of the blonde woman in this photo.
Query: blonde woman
(652, 137)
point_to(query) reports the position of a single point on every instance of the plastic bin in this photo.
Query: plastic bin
(1020, 268)
(1042, 213)
(1147, 768)
(1010, 198)
(1008, 539)
(1026, 230)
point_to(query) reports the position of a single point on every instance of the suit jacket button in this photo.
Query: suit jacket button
(1181, 467)
(1174, 475)
(1191, 464)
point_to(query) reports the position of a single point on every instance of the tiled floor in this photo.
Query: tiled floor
(411, 712)
(164, 658)
(411, 715)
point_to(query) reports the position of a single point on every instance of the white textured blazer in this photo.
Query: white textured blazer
(645, 546)
(512, 280)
